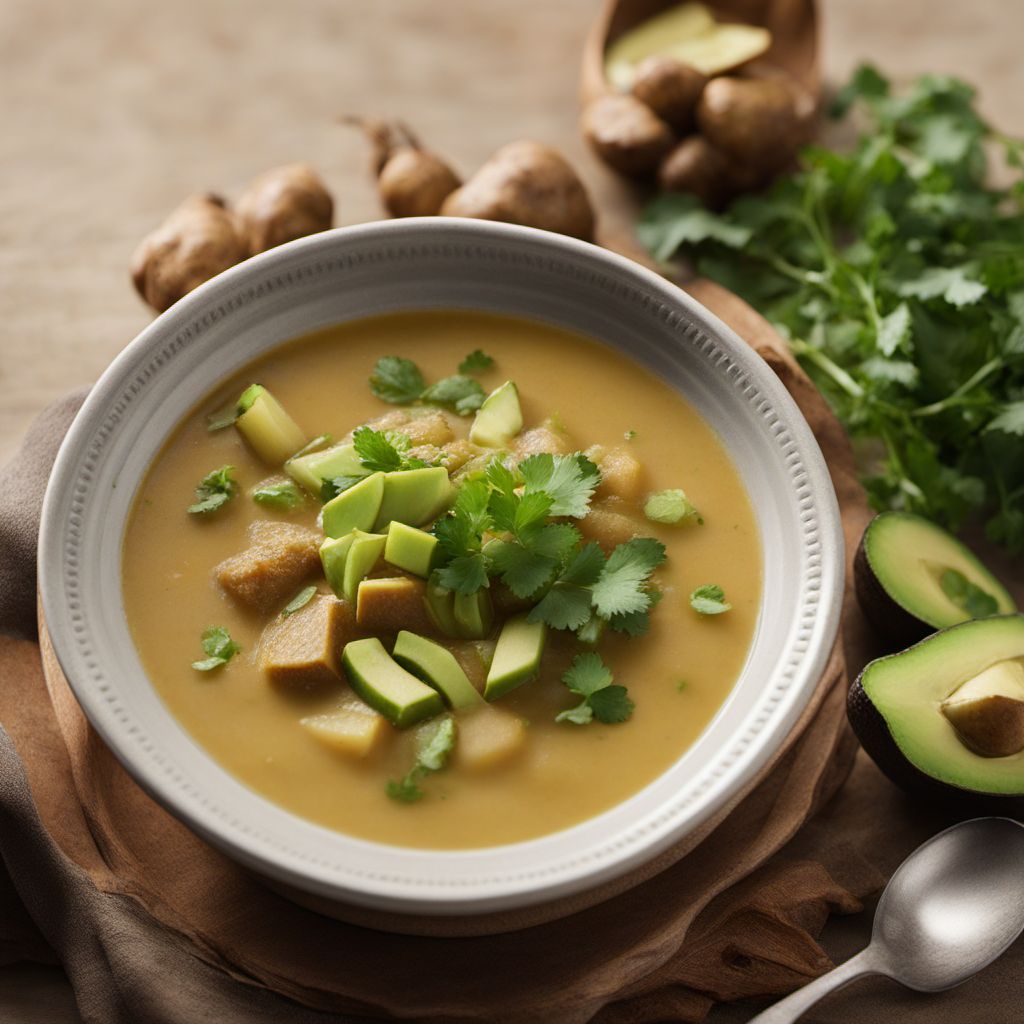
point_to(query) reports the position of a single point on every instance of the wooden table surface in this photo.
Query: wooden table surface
(113, 111)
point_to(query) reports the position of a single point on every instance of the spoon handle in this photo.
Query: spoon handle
(793, 1006)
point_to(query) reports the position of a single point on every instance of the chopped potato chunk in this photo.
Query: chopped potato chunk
(353, 729)
(304, 649)
(265, 575)
(393, 603)
(420, 426)
(608, 527)
(488, 737)
(541, 439)
(622, 473)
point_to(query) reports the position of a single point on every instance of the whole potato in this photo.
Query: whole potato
(670, 89)
(626, 133)
(526, 183)
(697, 167)
(415, 183)
(281, 205)
(197, 241)
(754, 120)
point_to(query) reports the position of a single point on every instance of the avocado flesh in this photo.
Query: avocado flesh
(437, 667)
(899, 571)
(271, 433)
(414, 496)
(387, 687)
(440, 604)
(988, 710)
(908, 691)
(354, 509)
(310, 471)
(499, 419)
(333, 556)
(516, 656)
(410, 548)
(473, 615)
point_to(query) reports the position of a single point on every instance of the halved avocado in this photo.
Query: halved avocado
(944, 718)
(912, 578)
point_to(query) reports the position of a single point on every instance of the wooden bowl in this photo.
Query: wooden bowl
(792, 23)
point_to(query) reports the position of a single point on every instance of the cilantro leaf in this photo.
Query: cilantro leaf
(591, 679)
(465, 574)
(219, 648)
(384, 451)
(460, 393)
(214, 490)
(621, 588)
(671, 507)
(333, 487)
(397, 380)
(300, 600)
(281, 494)
(564, 606)
(434, 744)
(569, 480)
(476, 362)
(523, 571)
(709, 599)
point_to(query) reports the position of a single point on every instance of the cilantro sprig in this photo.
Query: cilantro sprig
(709, 599)
(590, 678)
(476, 362)
(218, 647)
(896, 273)
(401, 382)
(215, 490)
(281, 495)
(434, 745)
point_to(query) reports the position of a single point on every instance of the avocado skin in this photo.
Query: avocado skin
(878, 744)
(890, 620)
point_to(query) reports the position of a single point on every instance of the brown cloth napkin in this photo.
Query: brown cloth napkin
(152, 925)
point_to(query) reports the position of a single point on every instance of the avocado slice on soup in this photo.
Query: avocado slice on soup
(913, 577)
(388, 688)
(945, 718)
(516, 656)
(499, 419)
(437, 667)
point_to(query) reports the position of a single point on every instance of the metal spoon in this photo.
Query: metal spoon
(952, 907)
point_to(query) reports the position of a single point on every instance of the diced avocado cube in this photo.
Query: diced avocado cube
(392, 604)
(333, 555)
(516, 656)
(388, 688)
(410, 549)
(488, 737)
(354, 729)
(499, 419)
(272, 434)
(363, 555)
(354, 509)
(414, 496)
(301, 651)
(474, 614)
(437, 667)
(312, 470)
(441, 607)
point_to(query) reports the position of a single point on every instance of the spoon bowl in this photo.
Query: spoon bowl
(954, 905)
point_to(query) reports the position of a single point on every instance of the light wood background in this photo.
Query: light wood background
(112, 111)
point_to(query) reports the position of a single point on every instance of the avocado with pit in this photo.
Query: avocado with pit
(437, 667)
(499, 419)
(410, 548)
(388, 688)
(516, 656)
(474, 615)
(310, 471)
(913, 577)
(944, 719)
(355, 508)
(414, 496)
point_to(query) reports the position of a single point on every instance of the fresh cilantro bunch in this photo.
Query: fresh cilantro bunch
(897, 275)
(508, 524)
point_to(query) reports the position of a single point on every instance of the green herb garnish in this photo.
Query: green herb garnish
(384, 451)
(282, 495)
(897, 275)
(318, 443)
(434, 744)
(630, 435)
(965, 594)
(459, 393)
(671, 507)
(476, 362)
(709, 599)
(591, 679)
(300, 600)
(219, 649)
(397, 380)
(214, 490)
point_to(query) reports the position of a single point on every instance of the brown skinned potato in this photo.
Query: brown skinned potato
(281, 205)
(526, 183)
(197, 241)
(753, 120)
(670, 89)
(697, 167)
(626, 133)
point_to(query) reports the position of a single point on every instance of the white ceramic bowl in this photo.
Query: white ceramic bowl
(416, 264)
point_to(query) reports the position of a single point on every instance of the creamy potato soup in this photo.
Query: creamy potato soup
(443, 579)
